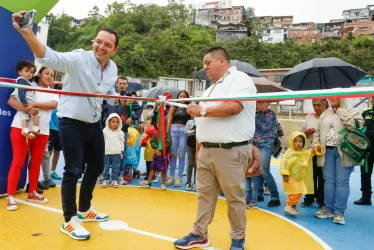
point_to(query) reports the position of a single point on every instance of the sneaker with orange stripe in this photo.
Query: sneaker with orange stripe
(92, 215)
(74, 229)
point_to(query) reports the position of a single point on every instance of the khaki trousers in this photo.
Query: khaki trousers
(222, 169)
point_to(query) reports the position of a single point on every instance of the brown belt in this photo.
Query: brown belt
(225, 145)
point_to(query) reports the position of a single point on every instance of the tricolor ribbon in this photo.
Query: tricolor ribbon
(161, 135)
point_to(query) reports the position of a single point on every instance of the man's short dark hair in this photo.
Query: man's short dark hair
(111, 31)
(24, 64)
(220, 51)
(122, 78)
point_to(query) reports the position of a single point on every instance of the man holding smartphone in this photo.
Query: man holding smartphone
(79, 118)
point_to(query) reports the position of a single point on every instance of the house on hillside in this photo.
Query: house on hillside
(231, 31)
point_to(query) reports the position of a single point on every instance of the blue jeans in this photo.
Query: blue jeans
(122, 164)
(252, 188)
(179, 148)
(266, 152)
(113, 161)
(336, 182)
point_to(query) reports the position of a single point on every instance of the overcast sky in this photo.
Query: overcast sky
(302, 10)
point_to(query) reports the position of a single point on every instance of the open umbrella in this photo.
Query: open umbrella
(264, 85)
(322, 73)
(160, 90)
(245, 67)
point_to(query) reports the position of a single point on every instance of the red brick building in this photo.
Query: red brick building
(306, 33)
(278, 21)
(359, 26)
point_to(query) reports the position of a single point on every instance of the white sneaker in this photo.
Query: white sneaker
(339, 219)
(163, 186)
(74, 229)
(12, 204)
(323, 213)
(178, 182)
(157, 179)
(122, 181)
(188, 186)
(92, 215)
(170, 181)
(104, 184)
(115, 183)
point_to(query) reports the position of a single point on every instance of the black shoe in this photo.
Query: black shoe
(307, 203)
(260, 198)
(363, 201)
(38, 190)
(42, 186)
(49, 183)
(274, 203)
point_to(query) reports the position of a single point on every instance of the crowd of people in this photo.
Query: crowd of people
(95, 140)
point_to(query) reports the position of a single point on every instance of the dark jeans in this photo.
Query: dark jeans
(191, 165)
(366, 177)
(148, 165)
(82, 143)
(319, 183)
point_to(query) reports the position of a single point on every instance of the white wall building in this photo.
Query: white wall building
(275, 35)
(194, 88)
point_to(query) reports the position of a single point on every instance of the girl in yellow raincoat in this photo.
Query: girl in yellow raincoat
(297, 170)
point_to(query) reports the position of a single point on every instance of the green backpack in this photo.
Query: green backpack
(355, 144)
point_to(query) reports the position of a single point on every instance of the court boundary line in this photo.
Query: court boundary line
(307, 231)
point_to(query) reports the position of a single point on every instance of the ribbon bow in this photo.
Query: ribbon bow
(161, 135)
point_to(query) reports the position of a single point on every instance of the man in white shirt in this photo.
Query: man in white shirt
(224, 131)
(81, 134)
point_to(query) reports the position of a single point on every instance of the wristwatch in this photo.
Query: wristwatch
(203, 112)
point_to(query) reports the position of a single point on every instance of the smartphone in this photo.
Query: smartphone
(28, 19)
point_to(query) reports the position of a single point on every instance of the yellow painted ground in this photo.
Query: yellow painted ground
(169, 213)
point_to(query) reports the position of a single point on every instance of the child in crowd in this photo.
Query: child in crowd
(190, 131)
(114, 145)
(26, 70)
(160, 162)
(149, 151)
(253, 175)
(297, 170)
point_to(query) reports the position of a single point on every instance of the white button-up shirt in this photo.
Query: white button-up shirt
(84, 74)
(237, 128)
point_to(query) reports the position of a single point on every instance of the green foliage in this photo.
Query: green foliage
(163, 41)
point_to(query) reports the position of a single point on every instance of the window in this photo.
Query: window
(38, 29)
(306, 33)
(364, 29)
(363, 20)
(278, 78)
(277, 20)
(200, 86)
(315, 32)
(313, 40)
(176, 83)
(277, 31)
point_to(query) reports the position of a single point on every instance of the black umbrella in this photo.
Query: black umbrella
(160, 90)
(241, 66)
(322, 73)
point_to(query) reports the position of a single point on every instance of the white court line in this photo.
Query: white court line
(307, 231)
(134, 230)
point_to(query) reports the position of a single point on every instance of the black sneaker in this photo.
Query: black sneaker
(362, 201)
(260, 198)
(192, 241)
(38, 190)
(49, 183)
(307, 203)
(274, 203)
(42, 186)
